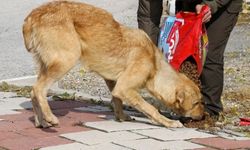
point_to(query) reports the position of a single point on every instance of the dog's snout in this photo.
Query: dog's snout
(195, 117)
(200, 117)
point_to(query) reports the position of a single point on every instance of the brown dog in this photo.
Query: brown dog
(61, 33)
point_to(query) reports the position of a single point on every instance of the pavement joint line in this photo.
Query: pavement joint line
(232, 133)
(122, 145)
(60, 136)
(101, 137)
(115, 123)
(92, 128)
(147, 137)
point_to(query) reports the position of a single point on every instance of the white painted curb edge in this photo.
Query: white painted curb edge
(19, 78)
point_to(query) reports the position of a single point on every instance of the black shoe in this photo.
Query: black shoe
(212, 111)
(216, 116)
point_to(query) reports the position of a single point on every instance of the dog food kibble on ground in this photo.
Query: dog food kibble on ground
(190, 70)
(207, 122)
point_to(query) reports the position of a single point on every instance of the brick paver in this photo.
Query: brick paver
(222, 143)
(170, 134)
(78, 146)
(237, 136)
(18, 130)
(87, 126)
(207, 148)
(114, 126)
(151, 144)
(91, 127)
(9, 135)
(95, 137)
(70, 146)
(28, 143)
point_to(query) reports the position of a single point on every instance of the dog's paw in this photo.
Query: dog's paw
(41, 122)
(53, 120)
(175, 124)
(123, 117)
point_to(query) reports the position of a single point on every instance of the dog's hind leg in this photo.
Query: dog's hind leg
(56, 55)
(43, 115)
(118, 110)
(127, 89)
(47, 76)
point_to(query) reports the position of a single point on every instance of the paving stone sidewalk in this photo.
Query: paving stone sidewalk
(84, 125)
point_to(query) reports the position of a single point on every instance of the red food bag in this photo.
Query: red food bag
(184, 36)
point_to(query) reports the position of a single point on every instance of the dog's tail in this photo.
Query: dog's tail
(27, 33)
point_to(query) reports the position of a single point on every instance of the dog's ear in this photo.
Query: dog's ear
(180, 96)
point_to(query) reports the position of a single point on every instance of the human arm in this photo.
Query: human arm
(215, 4)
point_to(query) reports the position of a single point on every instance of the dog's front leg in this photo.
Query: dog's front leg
(134, 99)
(118, 110)
(133, 78)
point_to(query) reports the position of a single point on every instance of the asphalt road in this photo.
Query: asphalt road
(15, 61)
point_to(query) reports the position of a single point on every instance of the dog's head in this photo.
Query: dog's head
(177, 92)
(187, 100)
(181, 95)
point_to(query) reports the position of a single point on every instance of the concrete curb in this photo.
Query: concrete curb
(30, 80)
(19, 78)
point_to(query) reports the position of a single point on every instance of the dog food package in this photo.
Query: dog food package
(183, 37)
(169, 36)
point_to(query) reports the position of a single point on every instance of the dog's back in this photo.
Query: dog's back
(74, 31)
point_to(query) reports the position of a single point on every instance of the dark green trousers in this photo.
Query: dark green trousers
(212, 77)
(149, 16)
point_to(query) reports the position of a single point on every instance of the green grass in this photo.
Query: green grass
(21, 91)
(64, 96)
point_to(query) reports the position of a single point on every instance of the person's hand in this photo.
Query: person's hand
(206, 18)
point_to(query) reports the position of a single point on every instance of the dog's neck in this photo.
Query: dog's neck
(164, 82)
